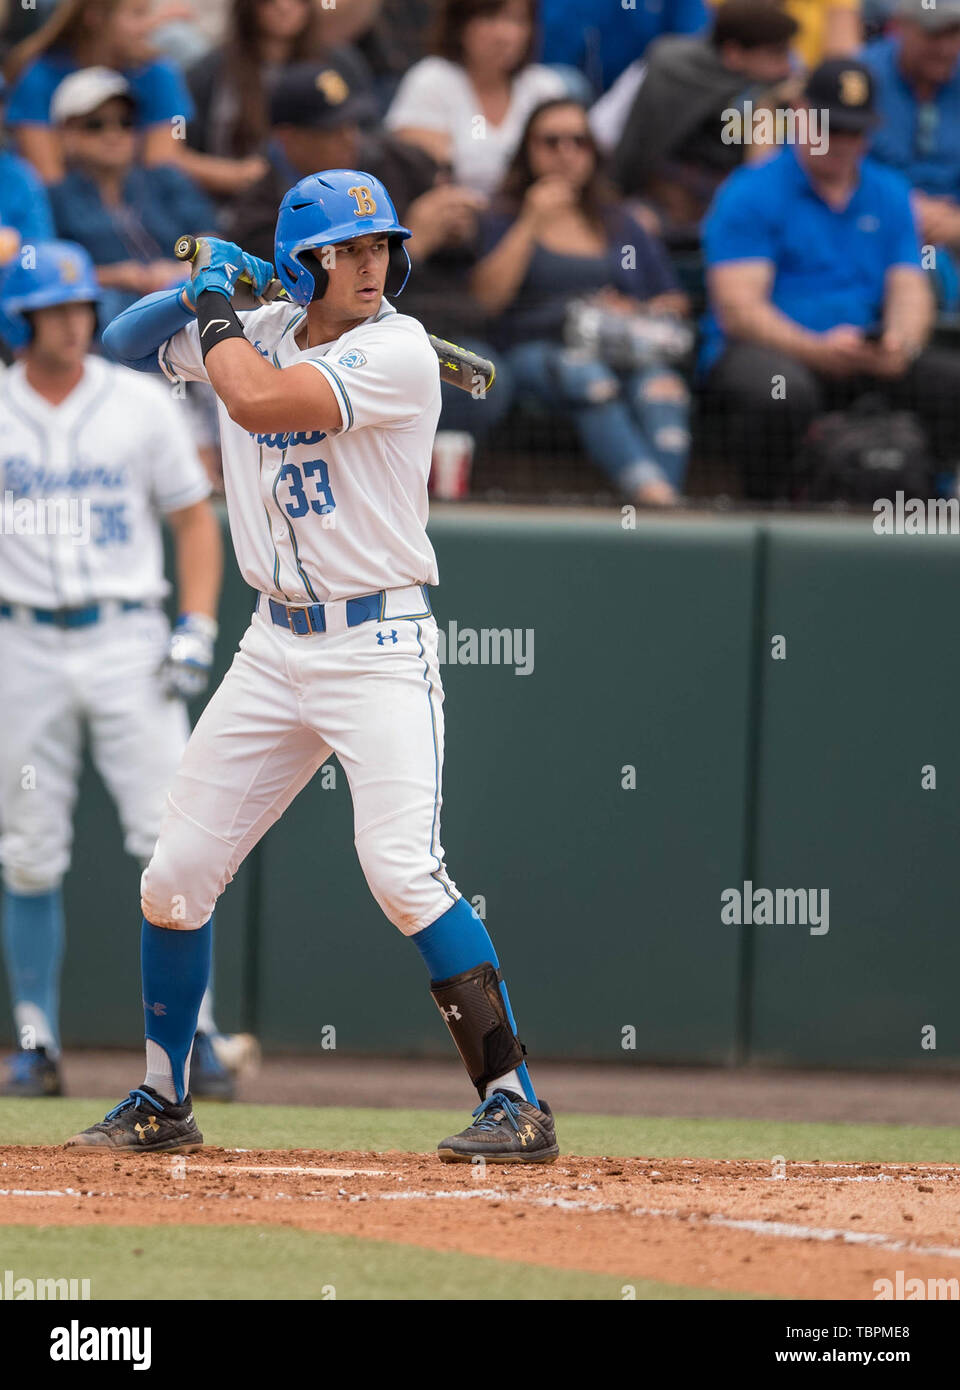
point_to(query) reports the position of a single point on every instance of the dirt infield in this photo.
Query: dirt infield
(822, 1230)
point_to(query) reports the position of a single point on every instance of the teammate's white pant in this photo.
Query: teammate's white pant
(52, 682)
(286, 703)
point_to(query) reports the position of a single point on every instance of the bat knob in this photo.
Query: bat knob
(186, 248)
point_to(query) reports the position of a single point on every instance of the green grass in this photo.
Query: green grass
(231, 1262)
(418, 1131)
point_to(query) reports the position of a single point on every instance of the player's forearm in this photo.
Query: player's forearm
(248, 385)
(264, 399)
(259, 397)
(134, 336)
(199, 559)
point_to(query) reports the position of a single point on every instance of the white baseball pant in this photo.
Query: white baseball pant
(371, 694)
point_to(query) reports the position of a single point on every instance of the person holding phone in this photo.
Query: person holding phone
(817, 292)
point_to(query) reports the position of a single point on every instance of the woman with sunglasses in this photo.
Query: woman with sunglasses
(557, 233)
(126, 215)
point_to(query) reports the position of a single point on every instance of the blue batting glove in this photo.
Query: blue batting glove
(260, 272)
(218, 266)
(185, 672)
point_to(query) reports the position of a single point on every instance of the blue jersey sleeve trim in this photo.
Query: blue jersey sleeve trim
(339, 391)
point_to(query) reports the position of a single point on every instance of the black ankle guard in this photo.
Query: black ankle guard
(474, 1011)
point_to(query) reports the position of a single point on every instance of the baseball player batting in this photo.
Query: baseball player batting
(84, 642)
(328, 407)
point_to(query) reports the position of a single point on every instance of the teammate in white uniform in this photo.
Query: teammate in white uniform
(328, 409)
(91, 456)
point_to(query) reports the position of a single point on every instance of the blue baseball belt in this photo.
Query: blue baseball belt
(68, 617)
(367, 608)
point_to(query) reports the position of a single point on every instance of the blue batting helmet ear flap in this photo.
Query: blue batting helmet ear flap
(46, 274)
(326, 209)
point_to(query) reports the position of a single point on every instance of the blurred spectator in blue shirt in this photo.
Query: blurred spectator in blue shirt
(127, 216)
(817, 291)
(917, 75)
(558, 234)
(114, 34)
(25, 218)
(23, 198)
(602, 37)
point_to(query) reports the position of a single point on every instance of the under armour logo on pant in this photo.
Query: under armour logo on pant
(452, 1012)
(158, 1010)
(382, 637)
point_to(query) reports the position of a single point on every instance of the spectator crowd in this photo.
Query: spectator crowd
(686, 234)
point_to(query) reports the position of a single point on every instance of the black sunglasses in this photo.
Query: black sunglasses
(553, 142)
(94, 123)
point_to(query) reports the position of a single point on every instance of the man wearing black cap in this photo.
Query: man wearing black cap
(321, 118)
(817, 292)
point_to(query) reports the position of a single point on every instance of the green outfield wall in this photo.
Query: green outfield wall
(707, 703)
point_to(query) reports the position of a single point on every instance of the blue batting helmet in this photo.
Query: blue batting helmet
(326, 209)
(58, 272)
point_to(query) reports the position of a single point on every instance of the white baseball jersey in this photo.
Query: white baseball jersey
(82, 484)
(322, 516)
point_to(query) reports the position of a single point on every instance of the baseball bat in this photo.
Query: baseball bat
(460, 367)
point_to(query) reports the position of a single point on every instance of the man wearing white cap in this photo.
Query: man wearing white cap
(127, 216)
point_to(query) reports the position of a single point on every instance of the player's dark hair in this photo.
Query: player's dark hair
(453, 16)
(752, 24)
(598, 199)
(242, 65)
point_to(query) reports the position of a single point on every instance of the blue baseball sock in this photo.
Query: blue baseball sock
(458, 941)
(175, 969)
(33, 951)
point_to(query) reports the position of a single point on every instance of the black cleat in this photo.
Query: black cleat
(144, 1123)
(32, 1073)
(506, 1129)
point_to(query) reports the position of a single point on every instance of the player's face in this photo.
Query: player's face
(358, 273)
(62, 334)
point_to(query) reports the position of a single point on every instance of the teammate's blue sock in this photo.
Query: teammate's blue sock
(175, 969)
(33, 950)
(458, 941)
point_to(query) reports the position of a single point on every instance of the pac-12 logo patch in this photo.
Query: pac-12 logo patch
(354, 358)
